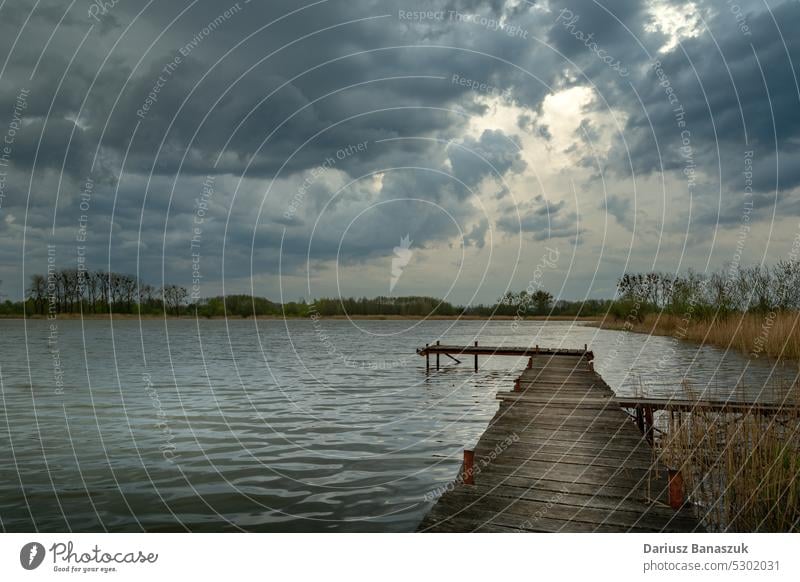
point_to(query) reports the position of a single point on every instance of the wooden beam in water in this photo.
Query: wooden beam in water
(642, 405)
(521, 351)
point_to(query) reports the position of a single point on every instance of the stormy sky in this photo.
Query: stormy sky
(331, 147)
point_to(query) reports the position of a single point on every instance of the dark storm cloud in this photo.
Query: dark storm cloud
(731, 97)
(493, 148)
(711, 101)
(619, 207)
(433, 201)
(542, 219)
(260, 103)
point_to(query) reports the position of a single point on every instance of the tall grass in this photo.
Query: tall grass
(771, 334)
(741, 471)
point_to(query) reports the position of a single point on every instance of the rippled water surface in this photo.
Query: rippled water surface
(275, 426)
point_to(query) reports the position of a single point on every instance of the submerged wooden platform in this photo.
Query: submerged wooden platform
(560, 455)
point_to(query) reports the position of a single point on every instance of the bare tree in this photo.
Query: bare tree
(37, 293)
(174, 297)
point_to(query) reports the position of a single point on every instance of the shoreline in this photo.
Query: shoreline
(136, 317)
(772, 335)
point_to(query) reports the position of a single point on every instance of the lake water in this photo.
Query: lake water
(276, 426)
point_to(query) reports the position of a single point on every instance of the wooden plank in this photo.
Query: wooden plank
(503, 351)
(641, 493)
(517, 455)
(524, 398)
(643, 521)
(473, 519)
(622, 503)
(643, 447)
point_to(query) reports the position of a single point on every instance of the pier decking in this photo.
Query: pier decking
(560, 455)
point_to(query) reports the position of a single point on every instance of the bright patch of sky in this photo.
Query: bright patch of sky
(677, 23)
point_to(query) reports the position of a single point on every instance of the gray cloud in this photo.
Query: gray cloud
(274, 104)
(542, 219)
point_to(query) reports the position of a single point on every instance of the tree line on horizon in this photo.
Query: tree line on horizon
(73, 291)
(731, 290)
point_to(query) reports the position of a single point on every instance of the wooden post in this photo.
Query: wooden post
(591, 366)
(437, 357)
(516, 385)
(640, 419)
(675, 489)
(427, 360)
(476, 357)
(585, 348)
(648, 423)
(530, 362)
(469, 460)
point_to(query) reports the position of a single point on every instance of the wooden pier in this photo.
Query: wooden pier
(560, 455)
(475, 350)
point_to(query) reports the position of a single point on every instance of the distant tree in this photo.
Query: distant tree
(174, 297)
(37, 293)
(542, 301)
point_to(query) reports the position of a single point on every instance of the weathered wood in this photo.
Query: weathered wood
(523, 351)
(499, 499)
(642, 404)
(642, 448)
(560, 455)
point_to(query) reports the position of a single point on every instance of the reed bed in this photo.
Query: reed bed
(741, 471)
(773, 334)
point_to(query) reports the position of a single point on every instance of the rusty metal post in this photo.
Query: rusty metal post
(437, 357)
(675, 489)
(469, 461)
(476, 357)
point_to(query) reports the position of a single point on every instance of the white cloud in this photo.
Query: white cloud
(676, 23)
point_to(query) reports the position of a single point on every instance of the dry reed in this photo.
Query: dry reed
(741, 471)
(773, 334)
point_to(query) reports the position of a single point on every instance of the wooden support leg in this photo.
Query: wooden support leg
(476, 358)
(648, 422)
(530, 363)
(640, 419)
(469, 461)
(675, 489)
(437, 357)
(427, 360)
(517, 386)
